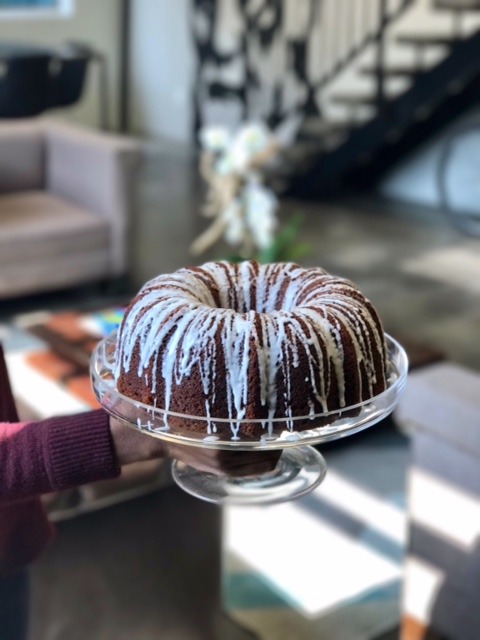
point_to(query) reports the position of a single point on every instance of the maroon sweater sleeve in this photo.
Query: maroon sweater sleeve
(55, 454)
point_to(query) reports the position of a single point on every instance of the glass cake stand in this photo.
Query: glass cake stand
(300, 468)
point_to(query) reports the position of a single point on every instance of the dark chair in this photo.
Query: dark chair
(68, 70)
(24, 85)
(33, 80)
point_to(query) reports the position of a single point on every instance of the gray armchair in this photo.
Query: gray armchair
(65, 199)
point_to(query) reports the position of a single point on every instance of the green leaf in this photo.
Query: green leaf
(297, 252)
(284, 247)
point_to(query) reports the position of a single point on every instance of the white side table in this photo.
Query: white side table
(441, 411)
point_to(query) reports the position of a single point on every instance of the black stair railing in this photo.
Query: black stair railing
(383, 13)
(272, 53)
(351, 27)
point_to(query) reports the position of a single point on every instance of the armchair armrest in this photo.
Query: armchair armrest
(95, 170)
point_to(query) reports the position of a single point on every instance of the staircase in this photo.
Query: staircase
(382, 125)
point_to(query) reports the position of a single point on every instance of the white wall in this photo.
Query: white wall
(94, 22)
(161, 69)
(416, 177)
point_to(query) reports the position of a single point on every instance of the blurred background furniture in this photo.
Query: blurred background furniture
(24, 80)
(65, 198)
(35, 79)
(441, 411)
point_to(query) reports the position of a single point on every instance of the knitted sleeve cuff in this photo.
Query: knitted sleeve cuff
(80, 449)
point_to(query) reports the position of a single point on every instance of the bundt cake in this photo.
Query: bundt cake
(249, 341)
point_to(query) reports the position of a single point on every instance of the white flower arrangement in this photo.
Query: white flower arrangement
(243, 208)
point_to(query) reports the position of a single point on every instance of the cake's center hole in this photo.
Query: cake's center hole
(243, 306)
(259, 297)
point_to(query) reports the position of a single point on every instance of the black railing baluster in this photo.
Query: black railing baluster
(335, 30)
(350, 26)
(332, 33)
(322, 36)
(339, 29)
(347, 33)
(457, 24)
(347, 29)
(366, 16)
(372, 15)
(382, 10)
(354, 12)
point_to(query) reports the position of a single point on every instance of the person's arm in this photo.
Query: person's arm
(55, 454)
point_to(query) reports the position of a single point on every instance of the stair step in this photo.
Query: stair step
(426, 40)
(301, 151)
(319, 128)
(298, 158)
(457, 5)
(393, 72)
(353, 100)
(325, 134)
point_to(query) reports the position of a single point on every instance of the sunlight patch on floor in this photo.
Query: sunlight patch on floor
(455, 266)
(317, 561)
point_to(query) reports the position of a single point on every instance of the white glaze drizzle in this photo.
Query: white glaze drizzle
(180, 312)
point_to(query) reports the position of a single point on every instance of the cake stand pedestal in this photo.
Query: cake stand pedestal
(301, 467)
(298, 472)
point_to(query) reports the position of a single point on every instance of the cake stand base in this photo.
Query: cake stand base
(299, 470)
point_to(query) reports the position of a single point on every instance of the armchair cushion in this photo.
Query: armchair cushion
(46, 238)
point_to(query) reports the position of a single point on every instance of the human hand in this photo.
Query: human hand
(132, 445)
(225, 463)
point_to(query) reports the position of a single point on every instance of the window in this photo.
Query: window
(21, 9)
